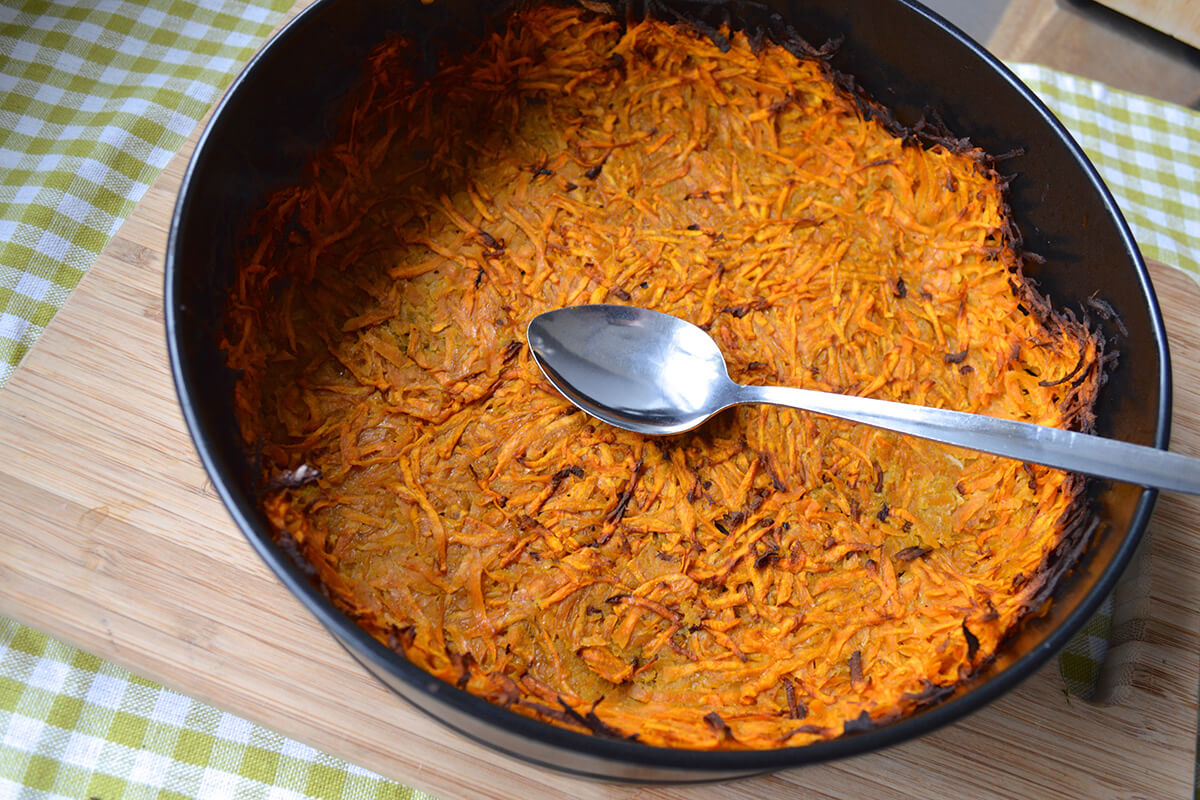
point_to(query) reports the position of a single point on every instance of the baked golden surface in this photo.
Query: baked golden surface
(771, 579)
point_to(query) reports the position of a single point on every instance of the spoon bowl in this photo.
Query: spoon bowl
(653, 373)
(636, 369)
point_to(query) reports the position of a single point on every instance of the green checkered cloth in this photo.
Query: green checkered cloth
(95, 98)
(1148, 153)
(74, 726)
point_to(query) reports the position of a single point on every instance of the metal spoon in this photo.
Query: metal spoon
(653, 373)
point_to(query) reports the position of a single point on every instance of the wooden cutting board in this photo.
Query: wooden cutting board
(112, 539)
(1178, 18)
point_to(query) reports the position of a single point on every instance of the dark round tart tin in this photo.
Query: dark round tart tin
(904, 58)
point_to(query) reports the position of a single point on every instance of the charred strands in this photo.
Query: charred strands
(956, 358)
(1106, 312)
(401, 639)
(291, 548)
(972, 642)
(567, 715)
(462, 662)
(912, 553)
(1075, 371)
(796, 707)
(718, 725)
(859, 724)
(614, 516)
(743, 309)
(809, 730)
(593, 172)
(856, 668)
(302, 475)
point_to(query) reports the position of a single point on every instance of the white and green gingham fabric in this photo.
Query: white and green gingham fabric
(1148, 153)
(96, 96)
(73, 726)
(95, 99)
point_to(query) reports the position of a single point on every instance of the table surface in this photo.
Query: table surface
(114, 541)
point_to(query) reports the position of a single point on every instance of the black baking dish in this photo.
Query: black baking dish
(284, 106)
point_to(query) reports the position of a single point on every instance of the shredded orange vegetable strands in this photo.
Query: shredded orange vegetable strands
(772, 579)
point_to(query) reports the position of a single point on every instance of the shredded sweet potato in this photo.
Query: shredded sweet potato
(775, 577)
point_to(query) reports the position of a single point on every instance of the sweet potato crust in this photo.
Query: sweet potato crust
(772, 579)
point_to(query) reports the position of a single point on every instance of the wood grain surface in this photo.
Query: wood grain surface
(1178, 18)
(112, 539)
(1073, 37)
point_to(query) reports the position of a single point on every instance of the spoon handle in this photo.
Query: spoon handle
(1039, 444)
